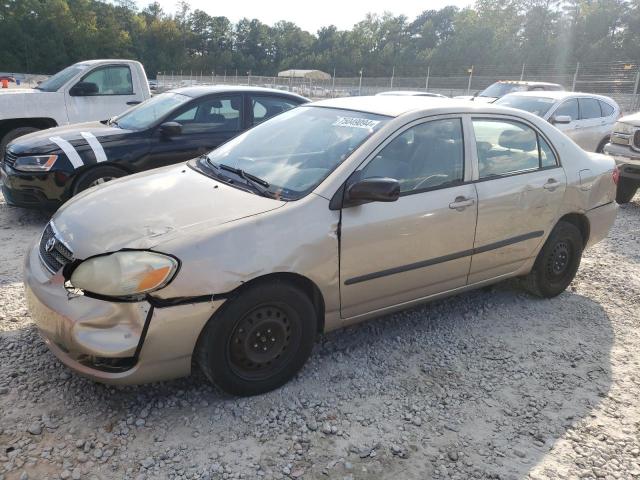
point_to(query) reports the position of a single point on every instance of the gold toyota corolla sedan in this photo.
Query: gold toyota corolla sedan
(324, 216)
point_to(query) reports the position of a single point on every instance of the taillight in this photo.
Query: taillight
(616, 175)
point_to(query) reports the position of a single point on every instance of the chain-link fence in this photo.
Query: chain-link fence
(619, 81)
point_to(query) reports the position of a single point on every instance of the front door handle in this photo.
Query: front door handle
(551, 184)
(460, 203)
(133, 102)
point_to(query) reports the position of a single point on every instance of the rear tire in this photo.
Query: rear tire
(557, 263)
(626, 190)
(13, 134)
(96, 176)
(259, 340)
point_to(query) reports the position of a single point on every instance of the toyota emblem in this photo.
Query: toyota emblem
(51, 243)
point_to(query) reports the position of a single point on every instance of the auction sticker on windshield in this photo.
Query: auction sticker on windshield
(355, 122)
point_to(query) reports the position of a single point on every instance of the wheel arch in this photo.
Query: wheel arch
(78, 174)
(581, 222)
(306, 284)
(37, 122)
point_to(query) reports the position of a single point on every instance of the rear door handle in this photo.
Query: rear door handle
(551, 184)
(134, 102)
(460, 203)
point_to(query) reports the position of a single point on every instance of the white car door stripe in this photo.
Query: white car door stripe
(69, 151)
(98, 151)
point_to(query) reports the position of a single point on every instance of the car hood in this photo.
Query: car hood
(40, 142)
(633, 119)
(144, 210)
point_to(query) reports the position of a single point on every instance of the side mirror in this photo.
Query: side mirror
(373, 190)
(171, 129)
(561, 119)
(84, 89)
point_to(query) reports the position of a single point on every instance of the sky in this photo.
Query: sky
(309, 15)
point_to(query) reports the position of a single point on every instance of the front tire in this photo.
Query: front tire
(259, 340)
(557, 263)
(626, 190)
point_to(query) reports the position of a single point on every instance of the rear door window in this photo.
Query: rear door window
(263, 107)
(589, 108)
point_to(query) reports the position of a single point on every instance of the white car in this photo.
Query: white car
(586, 118)
(93, 90)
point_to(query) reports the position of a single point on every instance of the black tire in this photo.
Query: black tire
(259, 340)
(600, 148)
(13, 134)
(94, 176)
(557, 263)
(626, 190)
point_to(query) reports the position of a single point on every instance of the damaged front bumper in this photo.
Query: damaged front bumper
(113, 342)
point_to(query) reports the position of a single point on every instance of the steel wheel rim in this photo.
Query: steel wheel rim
(263, 341)
(559, 260)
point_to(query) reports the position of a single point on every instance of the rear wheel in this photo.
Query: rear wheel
(13, 134)
(557, 263)
(626, 190)
(97, 176)
(259, 340)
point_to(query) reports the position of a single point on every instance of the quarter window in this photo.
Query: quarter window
(111, 80)
(606, 109)
(430, 155)
(570, 108)
(589, 108)
(506, 147)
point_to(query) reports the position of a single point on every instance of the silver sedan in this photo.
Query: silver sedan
(586, 118)
(322, 217)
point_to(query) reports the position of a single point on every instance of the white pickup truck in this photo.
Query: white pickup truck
(87, 91)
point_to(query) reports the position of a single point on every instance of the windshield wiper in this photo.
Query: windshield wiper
(260, 184)
(257, 183)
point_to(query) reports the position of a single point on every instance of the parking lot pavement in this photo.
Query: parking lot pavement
(490, 384)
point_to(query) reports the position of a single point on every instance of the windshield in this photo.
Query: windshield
(500, 89)
(294, 151)
(52, 84)
(536, 105)
(147, 113)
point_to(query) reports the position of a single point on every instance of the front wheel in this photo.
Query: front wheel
(259, 340)
(557, 263)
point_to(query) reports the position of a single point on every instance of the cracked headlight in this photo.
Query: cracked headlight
(124, 274)
(35, 163)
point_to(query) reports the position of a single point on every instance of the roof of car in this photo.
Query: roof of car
(531, 83)
(394, 106)
(209, 89)
(559, 95)
(416, 93)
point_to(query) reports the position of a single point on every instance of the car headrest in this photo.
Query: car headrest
(216, 104)
(236, 103)
(524, 140)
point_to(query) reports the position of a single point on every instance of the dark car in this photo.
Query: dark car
(46, 168)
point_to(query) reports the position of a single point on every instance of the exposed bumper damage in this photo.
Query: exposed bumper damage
(114, 342)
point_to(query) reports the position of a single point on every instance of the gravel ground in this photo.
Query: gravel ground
(490, 384)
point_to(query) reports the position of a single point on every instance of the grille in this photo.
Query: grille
(9, 158)
(53, 253)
